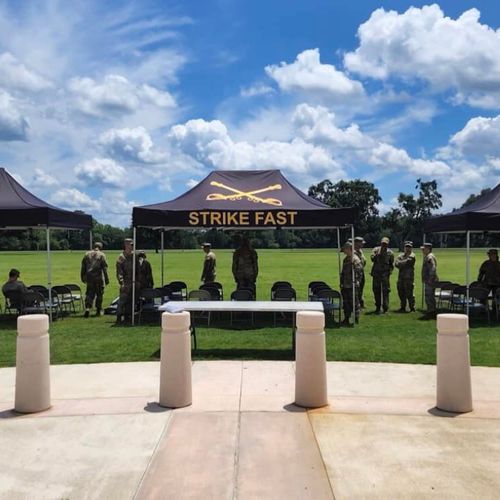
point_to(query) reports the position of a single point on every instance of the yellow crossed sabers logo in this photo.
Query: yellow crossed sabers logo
(249, 195)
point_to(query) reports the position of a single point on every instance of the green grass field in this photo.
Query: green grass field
(394, 337)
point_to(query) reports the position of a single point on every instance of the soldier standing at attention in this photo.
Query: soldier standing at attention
(359, 242)
(489, 272)
(406, 265)
(245, 265)
(124, 274)
(94, 272)
(429, 278)
(349, 302)
(209, 264)
(383, 265)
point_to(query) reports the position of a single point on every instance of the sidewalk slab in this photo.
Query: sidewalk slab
(373, 456)
(195, 459)
(279, 458)
(77, 457)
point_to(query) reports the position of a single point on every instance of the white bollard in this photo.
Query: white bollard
(32, 364)
(175, 365)
(453, 391)
(310, 360)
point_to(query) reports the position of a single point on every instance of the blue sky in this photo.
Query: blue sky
(107, 105)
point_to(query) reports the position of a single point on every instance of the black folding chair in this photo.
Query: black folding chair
(13, 302)
(242, 294)
(277, 285)
(76, 294)
(150, 300)
(33, 303)
(65, 297)
(179, 290)
(478, 301)
(283, 295)
(313, 284)
(201, 295)
(214, 291)
(332, 301)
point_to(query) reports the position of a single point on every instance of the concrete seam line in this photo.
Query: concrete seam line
(237, 441)
(155, 451)
(320, 454)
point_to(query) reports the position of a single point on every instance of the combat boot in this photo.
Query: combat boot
(86, 314)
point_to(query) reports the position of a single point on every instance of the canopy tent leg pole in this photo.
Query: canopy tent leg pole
(133, 278)
(423, 284)
(338, 249)
(353, 277)
(90, 239)
(49, 274)
(467, 268)
(162, 258)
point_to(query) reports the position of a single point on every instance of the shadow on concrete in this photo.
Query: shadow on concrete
(436, 412)
(154, 407)
(293, 408)
(10, 414)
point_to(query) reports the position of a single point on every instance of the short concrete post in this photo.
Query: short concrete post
(32, 364)
(310, 360)
(454, 392)
(175, 365)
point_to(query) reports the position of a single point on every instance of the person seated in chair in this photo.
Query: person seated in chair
(14, 285)
(489, 272)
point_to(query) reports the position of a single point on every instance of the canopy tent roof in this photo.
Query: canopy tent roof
(243, 199)
(482, 215)
(19, 209)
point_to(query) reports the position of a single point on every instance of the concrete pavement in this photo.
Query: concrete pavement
(380, 437)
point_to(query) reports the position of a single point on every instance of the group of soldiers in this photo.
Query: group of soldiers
(245, 266)
(382, 257)
(94, 273)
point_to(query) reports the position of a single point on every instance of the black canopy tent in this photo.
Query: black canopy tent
(244, 200)
(20, 209)
(480, 216)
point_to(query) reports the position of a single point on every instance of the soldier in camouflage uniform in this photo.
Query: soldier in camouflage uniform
(349, 302)
(209, 264)
(429, 278)
(124, 274)
(94, 272)
(383, 265)
(358, 249)
(245, 265)
(405, 262)
(489, 272)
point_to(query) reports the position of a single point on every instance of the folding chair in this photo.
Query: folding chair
(33, 303)
(66, 302)
(478, 301)
(179, 290)
(13, 302)
(214, 291)
(150, 300)
(445, 294)
(283, 295)
(277, 285)
(332, 301)
(496, 302)
(313, 284)
(76, 294)
(243, 294)
(201, 295)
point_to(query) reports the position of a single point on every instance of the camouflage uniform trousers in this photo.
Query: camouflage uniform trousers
(361, 289)
(246, 282)
(430, 298)
(95, 290)
(381, 287)
(405, 292)
(347, 303)
(125, 300)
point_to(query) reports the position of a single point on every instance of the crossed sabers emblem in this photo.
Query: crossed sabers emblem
(249, 195)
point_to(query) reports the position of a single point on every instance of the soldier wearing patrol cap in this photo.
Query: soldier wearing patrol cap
(209, 264)
(383, 265)
(489, 272)
(351, 263)
(124, 275)
(94, 273)
(429, 277)
(405, 262)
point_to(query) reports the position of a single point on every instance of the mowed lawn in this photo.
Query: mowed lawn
(393, 337)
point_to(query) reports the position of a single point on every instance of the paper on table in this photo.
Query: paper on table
(173, 307)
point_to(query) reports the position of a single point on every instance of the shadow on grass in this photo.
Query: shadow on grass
(248, 354)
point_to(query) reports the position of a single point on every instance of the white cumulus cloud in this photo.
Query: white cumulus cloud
(14, 126)
(115, 95)
(308, 74)
(480, 136)
(422, 43)
(101, 171)
(130, 144)
(43, 179)
(16, 76)
(73, 199)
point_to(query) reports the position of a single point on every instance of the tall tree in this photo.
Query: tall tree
(362, 195)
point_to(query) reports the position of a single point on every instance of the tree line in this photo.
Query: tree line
(401, 223)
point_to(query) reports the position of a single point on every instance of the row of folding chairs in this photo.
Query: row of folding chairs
(322, 291)
(453, 297)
